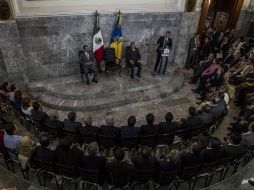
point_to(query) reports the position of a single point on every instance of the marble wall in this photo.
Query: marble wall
(42, 47)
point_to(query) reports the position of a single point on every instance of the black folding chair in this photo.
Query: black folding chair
(166, 179)
(74, 135)
(14, 161)
(111, 62)
(129, 143)
(107, 143)
(143, 177)
(165, 141)
(187, 175)
(117, 181)
(90, 177)
(45, 169)
(148, 140)
(68, 174)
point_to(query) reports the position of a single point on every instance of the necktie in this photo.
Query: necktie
(87, 56)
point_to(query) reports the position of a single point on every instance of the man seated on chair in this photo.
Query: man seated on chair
(133, 59)
(87, 62)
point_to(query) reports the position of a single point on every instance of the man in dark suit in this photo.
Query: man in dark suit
(218, 108)
(53, 122)
(192, 120)
(205, 115)
(87, 62)
(94, 162)
(130, 130)
(38, 115)
(234, 148)
(133, 59)
(150, 128)
(163, 42)
(169, 126)
(70, 124)
(213, 152)
(43, 152)
(89, 129)
(67, 154)
(145, 161)
(119, 168)
(109, 129)
(192, 157)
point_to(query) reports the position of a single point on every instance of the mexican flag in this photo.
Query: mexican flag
(98, 45)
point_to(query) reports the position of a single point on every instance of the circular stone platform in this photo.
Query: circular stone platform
(69, 93)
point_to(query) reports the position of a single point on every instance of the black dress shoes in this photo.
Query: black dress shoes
(87, 82)
(94, 80)
(139, 76)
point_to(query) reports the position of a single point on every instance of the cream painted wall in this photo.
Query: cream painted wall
(24, 8)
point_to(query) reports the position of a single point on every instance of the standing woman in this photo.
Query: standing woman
(193, 52)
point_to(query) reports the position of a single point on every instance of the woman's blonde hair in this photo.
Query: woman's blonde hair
(174, 155)
(26, 146)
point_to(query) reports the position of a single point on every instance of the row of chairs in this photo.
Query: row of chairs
(190, 175)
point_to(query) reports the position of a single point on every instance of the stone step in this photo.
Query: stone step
(91, 102)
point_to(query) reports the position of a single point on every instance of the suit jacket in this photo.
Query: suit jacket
(71, 157)
(149, 130)
(83, 58)
(167, 127)
(122, 168)
(43, 154)
(54, 123)
(132, 55)
(248, 139)
(92, 162)
(144, 164)
(189, 159)
(210, 155)
(205, 118)
(127, 131)
(39, 116)
(169, 166)
(218, 109)
(72, 125)
(160, 42)
(233, 150)
(89, 130)
(191, 122)
(109, 131)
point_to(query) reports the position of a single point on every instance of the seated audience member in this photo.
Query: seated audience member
(87, 62)
(150, 128)
(204, 139)
(214, 151)
(238, 44)
(192, 157)
(89, 129)
(192, 120)
(18, 100)
(233, 147)
(26, 147)
(38, 115)
(43, 152)
(92, 161)
(70, 124)
(133, 59)
(109, 129)
(248, 138)
(240, 126)
(130, 130)
(205, 115)
(218, 108)
(66, 154)
(26, 106)
(5, 88)
(119, 168)
(168, 126)
(11, 141)
(11, 92)
(145, 161)
(53, 121)
(170, 163)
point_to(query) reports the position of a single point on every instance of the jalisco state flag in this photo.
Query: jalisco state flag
(117, 38)
(98, 44)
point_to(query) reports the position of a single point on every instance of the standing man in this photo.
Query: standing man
(133, 59)
(163, 42)
(87, 62)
